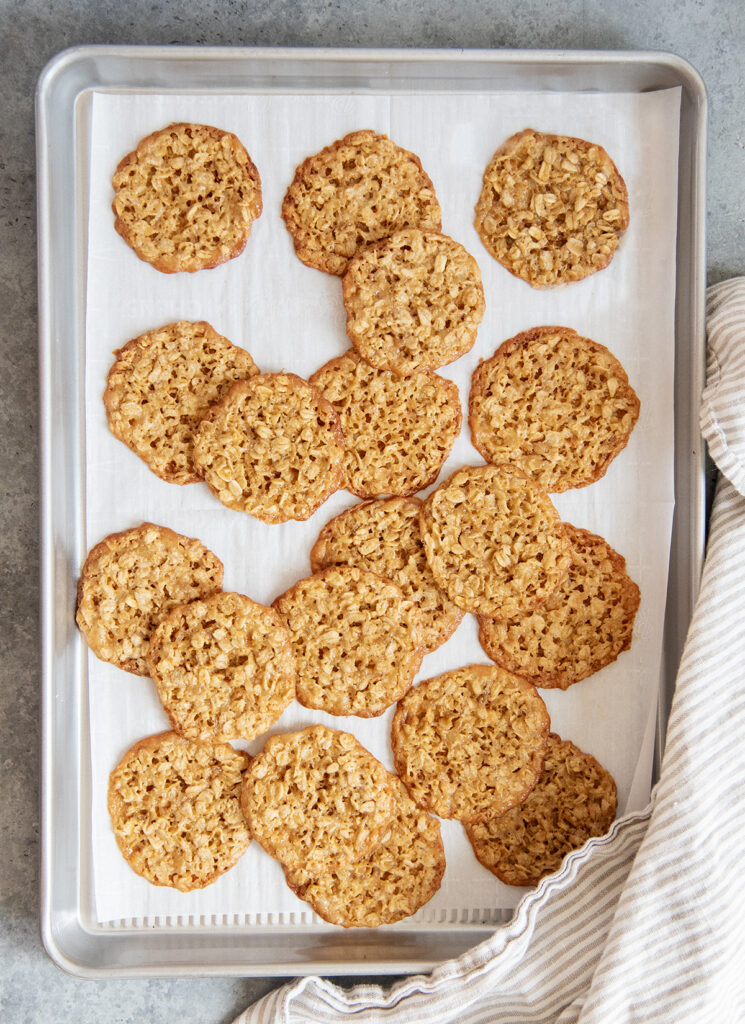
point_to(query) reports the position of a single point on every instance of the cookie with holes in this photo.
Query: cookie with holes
(223, 667)
(398, 431)
(556, 405)
(357, 190)
(131, 580)
(414, 301)
(552, 208)
(186, 198)
(574, 800)
(355, 638)
(470, 744)
(163, 384)
(175, 810)
(583, 626)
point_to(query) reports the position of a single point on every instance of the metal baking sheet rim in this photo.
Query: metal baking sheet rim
(61, 169)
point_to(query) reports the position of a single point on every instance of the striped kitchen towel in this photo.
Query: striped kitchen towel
(646, 924)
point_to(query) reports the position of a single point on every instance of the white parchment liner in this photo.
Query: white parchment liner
(291, 317)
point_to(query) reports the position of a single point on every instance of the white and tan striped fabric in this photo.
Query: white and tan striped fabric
(648, 923)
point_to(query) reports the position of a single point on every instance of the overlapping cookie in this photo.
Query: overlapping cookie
(582, 627)
(357, 190)
(383, 536)
(186, 198)
(414, 301)
(392, 882)
(398, 431)
(175, 810)
(223, 667)
(556, 405)
(355, 639)
(131, 580)
(494, 541)
(316, 800)
(470, 744)
(574, 800)
(552, 208)
(272, 447)
(160, 387)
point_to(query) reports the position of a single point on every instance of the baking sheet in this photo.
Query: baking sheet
(291, 317)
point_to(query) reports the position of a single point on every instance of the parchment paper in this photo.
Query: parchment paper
(291, 317)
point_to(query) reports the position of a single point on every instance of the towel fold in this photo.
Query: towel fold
(646, 924)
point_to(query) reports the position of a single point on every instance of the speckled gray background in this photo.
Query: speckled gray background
(709, 33)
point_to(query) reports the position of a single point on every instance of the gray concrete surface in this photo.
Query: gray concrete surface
(709, 34)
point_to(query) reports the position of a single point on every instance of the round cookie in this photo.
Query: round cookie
(175, 810)
(316, 800)
(555, 404)
(383, 536)
(131, 580)
(223, 667)
(390, 883)
(414, 301)
(355, 191)
(355, 639)
(272, 447)
(552, 208)
(398, 431)
(582, 627)
(186, 198)
(574, 800)
(470, 744)
(494, 541)
(162, 384)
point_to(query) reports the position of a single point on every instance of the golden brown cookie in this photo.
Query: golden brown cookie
(470, 744)
(317, 800)
(186, 198)
(175, 810)
(162, 384)
(390, 883)
(223, 667)
(494, 541)
(383, 536)
(414, 301)
(272, 447)
(398, 431)
(355, 639)
(554, 404)
(131, 580)
(582, 627)
(552, 208)
(574, 800)
(359, 189)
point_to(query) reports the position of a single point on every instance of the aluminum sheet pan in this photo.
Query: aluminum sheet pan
(69, 932)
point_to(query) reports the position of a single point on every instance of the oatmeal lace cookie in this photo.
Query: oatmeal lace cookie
(582, 627)
(398, 431)
(414, 301)
(383, 536)
(494, 541)
(355, 640)
(186, 198)
(162, 384)
(131, 580)
(271, 447)
(555, 404)
(316, 800)
(223, 667)
(552, 208)
(175, 810)
(470, 744)
(575, 799)
(357, 190)
(392, 882)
